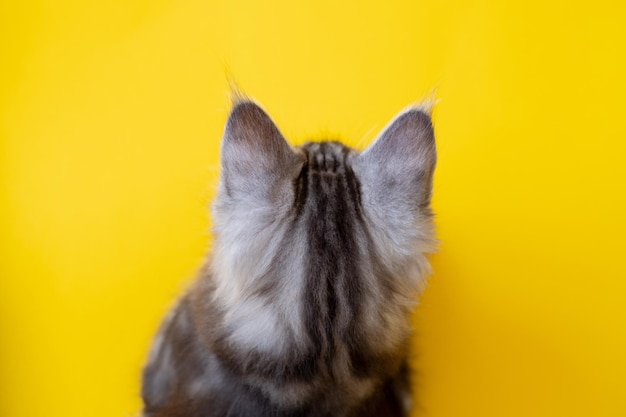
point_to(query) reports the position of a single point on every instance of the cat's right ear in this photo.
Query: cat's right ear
(255, 155)
(398, 167)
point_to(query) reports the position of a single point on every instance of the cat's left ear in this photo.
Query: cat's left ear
(255, 155)
(398, 167)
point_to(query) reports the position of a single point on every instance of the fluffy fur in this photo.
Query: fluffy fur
(303, 308)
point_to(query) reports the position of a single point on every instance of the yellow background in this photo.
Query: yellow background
(110, 120)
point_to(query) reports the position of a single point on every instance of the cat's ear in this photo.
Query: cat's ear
(398, 167)
(255, 155)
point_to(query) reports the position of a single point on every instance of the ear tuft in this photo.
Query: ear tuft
(428, 103)
(236, 94)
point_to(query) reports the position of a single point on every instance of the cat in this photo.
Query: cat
(303, 308)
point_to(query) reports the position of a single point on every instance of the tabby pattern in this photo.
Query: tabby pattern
(304, 307)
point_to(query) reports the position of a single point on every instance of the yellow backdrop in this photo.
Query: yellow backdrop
(110, 120)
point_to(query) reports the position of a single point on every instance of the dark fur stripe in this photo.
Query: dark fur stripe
(331, 213)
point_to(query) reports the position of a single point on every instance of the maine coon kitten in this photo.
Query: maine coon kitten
(303, 308)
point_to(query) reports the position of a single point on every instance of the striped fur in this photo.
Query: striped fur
(303, 308)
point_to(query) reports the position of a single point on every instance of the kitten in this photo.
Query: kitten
(304, 307)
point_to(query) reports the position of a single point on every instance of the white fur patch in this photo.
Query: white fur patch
(249, 238)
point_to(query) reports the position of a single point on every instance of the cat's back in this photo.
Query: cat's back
(186, 378)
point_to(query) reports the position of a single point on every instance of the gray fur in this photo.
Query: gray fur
(303, 308)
